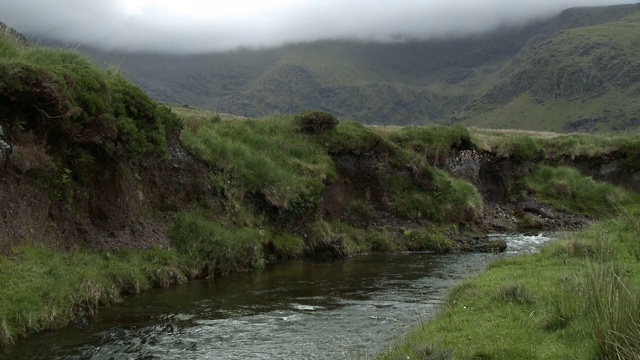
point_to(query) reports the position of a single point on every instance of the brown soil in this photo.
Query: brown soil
(109, 209)
(130, 205)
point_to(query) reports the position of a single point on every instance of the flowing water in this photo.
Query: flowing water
(297, 310)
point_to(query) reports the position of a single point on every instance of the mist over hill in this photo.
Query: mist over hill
(411, 82)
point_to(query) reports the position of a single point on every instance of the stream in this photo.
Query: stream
(301, 309)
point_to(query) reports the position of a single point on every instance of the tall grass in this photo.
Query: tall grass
(438, 197)
(68, 103)
(434, 143)
(213, 247)
(615, 310)
(45, 289)
(568, 189)
(266, 157)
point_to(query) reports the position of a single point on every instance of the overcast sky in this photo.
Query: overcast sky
(215, 25)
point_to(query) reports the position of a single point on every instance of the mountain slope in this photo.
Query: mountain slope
(410, 82)
(582, 79)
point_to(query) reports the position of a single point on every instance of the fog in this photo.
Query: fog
(195, 26)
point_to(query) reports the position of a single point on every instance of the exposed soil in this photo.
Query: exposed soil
(108, 209)
(130, 205)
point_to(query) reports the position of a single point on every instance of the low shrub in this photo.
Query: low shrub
(315, 122)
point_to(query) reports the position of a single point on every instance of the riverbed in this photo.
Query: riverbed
(301, 309)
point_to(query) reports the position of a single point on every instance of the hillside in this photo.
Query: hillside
(582, 79)
(413, 82)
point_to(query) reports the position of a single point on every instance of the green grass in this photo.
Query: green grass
(564, 85)
(561, 303)
(568, 189)
(214, 247)
(62, 95)
(46, 289)
(432, 142)
(437, 197)
(263, 156)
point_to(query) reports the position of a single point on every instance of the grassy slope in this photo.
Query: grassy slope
(582, 79)
(346, 78)
(577, 299)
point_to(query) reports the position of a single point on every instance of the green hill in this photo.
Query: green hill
(582, 79)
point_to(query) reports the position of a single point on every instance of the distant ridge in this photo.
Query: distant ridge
(582, 79)
(11, 33)
(415, 82)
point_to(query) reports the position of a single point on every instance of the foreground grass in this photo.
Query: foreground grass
(46, 289)
(576, 299)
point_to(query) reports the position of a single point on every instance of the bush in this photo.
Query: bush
(315, 122)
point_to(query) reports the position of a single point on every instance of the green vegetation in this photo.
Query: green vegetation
(80, 112)
(576, 299)
(45, 289)
(439, 197)
(567, 189)
(570, 83)
(287, 186)
(427, 239)
(267, 157)
(214, 247)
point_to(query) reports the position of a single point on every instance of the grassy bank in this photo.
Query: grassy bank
(576, 299)
(46, 289)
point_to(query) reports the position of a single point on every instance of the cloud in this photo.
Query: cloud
(192, 26)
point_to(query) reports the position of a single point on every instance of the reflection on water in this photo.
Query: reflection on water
(297, 310)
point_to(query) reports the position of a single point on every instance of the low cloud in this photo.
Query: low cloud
(195, 26)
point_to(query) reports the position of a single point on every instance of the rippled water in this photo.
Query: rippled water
(298, 310)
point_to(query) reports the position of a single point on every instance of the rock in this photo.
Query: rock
(495, 246)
